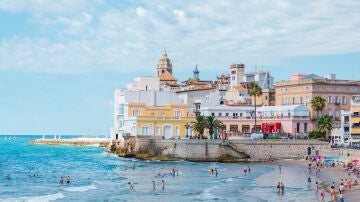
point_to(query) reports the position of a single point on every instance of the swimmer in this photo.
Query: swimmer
(131, 186)
(8, 177)
(68, 180)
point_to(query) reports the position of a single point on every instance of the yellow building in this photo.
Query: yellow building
(355, 118)
(169, 121)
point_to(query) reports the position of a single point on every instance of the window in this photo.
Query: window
(337, 89)
(329, 88)
(337, 100)
(293, 100)
(157, 129)
(353, 89)
(145, 130)
(121, 109)
(297, 127)
(344, 101)
(300, 100)
(300, 88)
(220, 114)
(177, 112)
(329, 100)
(305, 127)
(282, 101)
(286, 101)
(136, 112)
(213, 114)
(233, 78)
(307, 87)
(235, 115)
(319, 88)
(307, 100)
(293, 89)
(227, 114)
(336, 112)
(329, 112)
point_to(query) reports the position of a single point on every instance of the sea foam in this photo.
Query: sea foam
(50, 197)
(80, 189)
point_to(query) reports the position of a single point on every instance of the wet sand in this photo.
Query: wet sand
(327, 176)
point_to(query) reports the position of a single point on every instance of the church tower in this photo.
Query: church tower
(236, 74)
(164, 65)
(196, 73)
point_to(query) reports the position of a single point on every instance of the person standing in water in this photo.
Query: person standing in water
(61, 180)
(163, 184)
(68, 180)
(279, 169)
(154, 187)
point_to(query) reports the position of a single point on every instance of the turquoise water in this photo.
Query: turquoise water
(99, 176)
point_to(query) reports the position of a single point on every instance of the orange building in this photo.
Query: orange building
(302, 88)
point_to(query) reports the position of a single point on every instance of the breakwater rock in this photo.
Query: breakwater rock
(214, 150)
(100, 142)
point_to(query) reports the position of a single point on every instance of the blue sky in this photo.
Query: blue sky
(60, 61)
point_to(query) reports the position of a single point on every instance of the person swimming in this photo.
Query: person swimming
(131, 186)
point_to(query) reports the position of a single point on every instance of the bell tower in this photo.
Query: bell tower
(196, 73)
(164, 64)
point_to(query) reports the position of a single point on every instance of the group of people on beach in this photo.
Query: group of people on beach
(314, 167)
(67, 180)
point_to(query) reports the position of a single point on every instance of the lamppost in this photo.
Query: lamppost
(187, 129)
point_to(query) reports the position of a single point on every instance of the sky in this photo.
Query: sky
(60, 61)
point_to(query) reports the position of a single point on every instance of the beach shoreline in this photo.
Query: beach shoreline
(327, 176)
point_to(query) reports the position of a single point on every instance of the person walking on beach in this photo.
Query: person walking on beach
(68, 180)
(332, 194)
(309, 180)
(316, 186)
(163, 184)
(341, 197)
(322, 195)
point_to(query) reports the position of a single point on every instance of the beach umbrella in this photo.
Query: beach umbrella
(355, 160)
(337, 157)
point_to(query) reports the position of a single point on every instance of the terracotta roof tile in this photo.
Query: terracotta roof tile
(166, 76)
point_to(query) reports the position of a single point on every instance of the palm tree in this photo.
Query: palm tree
(200, 124)
(254, 90)
(212, 123)
(324, 124)
(318, 104)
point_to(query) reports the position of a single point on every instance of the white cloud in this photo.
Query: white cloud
(77, 36)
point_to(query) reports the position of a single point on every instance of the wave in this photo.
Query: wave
(80, 189)
(50, 197)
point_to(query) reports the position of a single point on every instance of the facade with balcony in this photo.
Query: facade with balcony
(302, 88)
(291, 120)
(355, 120)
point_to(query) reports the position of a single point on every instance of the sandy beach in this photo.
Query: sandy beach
(327, 176)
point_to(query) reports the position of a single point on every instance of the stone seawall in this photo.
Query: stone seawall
(216, 150)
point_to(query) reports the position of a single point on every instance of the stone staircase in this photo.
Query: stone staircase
(236, 149)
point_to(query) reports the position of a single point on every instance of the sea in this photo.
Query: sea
(96, 175)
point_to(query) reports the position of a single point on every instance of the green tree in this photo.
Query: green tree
(209, 122)
(254, 90)
(212, 123)
(324, 125)
(200, 125)
(318, 104)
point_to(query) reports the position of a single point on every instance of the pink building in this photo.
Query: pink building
(291, 120)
